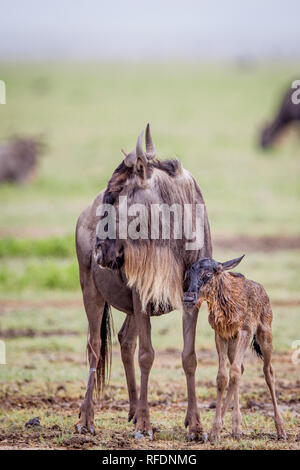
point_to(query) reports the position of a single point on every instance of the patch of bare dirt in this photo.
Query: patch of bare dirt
(286, 303)
(8, 305)
(12, 400)
(79, 441)
(248, 243)
(21, 440)
(30, 333)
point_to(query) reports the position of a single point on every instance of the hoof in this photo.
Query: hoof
(191, 437)
(237, 435)
(282, 437)
(213, 438)
(138, 435)
(92, 430)
(142, 435)
(196, 436)
(79, 429)
(84, 430)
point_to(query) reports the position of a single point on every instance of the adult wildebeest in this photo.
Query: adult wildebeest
(288, 112)
(140, 277)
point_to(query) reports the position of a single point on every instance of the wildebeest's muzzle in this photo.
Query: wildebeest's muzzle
(108, 255)
(190, 299)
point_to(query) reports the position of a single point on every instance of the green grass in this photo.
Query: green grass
(207, 115)
(39, 274)
(47, 272)
(61, 247)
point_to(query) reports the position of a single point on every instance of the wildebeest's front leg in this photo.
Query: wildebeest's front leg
(127, 338)
(146, 358)
(222, 380)
(189, 362)
(242, 342)
(94, 307)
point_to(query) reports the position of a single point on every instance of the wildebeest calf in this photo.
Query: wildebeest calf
(239, 311)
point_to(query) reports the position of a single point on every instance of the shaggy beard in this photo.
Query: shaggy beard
(156, 275)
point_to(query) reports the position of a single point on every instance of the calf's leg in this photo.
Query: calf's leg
(127, 338)
(264, 338)
(236, 412)
(222, 380)
(242, 342)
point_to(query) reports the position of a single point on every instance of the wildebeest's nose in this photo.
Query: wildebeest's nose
(99, 258)
(97, 242)
(190, 298)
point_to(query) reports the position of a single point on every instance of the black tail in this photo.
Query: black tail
(104, 363)
(256, 347)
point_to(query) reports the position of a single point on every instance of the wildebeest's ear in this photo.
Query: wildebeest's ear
(130, 158)
(232, 263)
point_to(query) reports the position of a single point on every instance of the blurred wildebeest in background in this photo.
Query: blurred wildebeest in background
(288, 112)
(19, 158)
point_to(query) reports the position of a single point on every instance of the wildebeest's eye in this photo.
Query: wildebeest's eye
(207, 277)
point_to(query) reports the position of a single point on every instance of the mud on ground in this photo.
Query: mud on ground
(58, 410)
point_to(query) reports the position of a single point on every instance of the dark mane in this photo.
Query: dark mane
(172, 167)
(122, 172)
(116, 183)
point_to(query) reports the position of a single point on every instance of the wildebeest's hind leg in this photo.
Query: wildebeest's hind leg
(189, 363)
(264, 338)
(94, 306)
(236, 412)
(127, 338)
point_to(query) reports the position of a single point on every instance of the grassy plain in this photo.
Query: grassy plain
(207, 115)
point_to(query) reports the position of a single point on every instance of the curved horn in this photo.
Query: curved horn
(150, 147)
(139, 149)
(139, 145)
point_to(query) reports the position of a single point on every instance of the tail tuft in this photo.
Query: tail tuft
(256, 347)
(104, 363)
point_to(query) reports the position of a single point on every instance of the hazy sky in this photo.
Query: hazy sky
(141, 30)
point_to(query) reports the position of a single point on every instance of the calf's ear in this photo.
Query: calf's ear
(232, 263)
